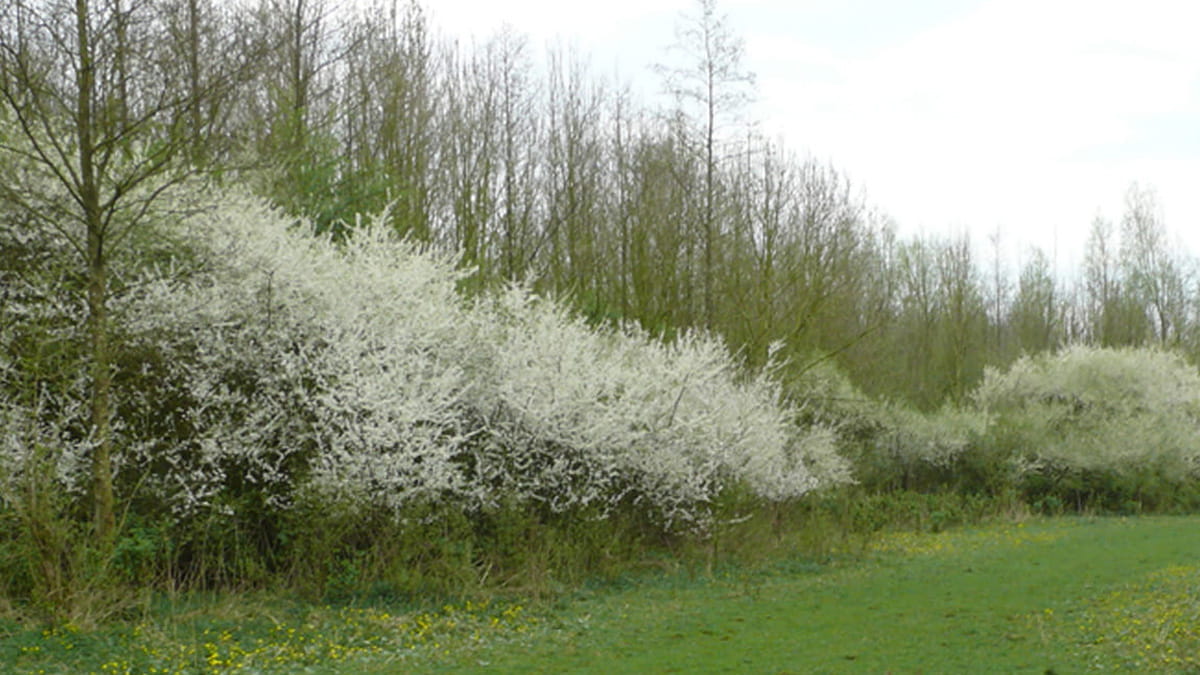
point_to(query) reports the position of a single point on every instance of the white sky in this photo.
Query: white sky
(1031, 116)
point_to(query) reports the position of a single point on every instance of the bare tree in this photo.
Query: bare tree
(1101, 280)
(1036, 316)
(518, 145)
(964, 317)
(714, 81)
(389, 101)
(1153, 272)
(211, 51)
(467, 152)
(997, 299)
(294, 116)
(574, 172)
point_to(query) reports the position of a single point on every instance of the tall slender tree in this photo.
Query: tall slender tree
(97, 144)
(1152, 271)
(713, 82)
(1037, 315)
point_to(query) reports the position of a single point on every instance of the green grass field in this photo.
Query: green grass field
(1063, 595)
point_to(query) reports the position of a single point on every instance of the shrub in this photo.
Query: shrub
(259, 365)
(610, 412)
(914, 450)
(269, 383)
(891, 445)
(1110, 427)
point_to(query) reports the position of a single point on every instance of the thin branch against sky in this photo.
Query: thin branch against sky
(1027, 116)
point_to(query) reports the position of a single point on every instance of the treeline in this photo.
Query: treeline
(535, 168)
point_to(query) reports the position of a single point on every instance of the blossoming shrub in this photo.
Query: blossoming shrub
(43, 441)
(260, 366)
(298, 363)
(270, 385)
(1114, 428)
(582, 415)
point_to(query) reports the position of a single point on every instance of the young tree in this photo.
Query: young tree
(713, 81)
(211, 51)
(1036, 315)
(468, 158)
(915, 330)
(390, 106)
(293, 120)
(1153, 272)
(97, 144)
(519, 143)
(964, 317)
(1100, 282)
(997, 292)
(659, 246)
(574, 236)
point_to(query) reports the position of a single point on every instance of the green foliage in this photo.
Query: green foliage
(341, 553)
(1067, 595)
(891, 445)
(309, 177)
(141, 552)
(867, 513)
(50, 563)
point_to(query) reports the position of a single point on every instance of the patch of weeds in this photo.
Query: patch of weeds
(1151, 625)
(304, 639)
(932, 543)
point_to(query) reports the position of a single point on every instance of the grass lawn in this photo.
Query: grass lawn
(1060, 595)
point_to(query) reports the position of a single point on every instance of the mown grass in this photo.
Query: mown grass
(1061, 595)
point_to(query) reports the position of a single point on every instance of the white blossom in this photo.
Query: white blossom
(281, 362)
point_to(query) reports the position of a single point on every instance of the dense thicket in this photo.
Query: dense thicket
(260, 362)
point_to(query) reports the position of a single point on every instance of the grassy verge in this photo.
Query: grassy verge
(1060, 595)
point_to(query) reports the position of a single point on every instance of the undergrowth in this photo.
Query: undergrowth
(325, 555)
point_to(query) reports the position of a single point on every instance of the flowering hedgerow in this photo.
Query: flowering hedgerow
(260, 360)
(584, 414)
(1121, 411)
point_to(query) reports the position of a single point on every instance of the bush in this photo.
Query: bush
(615, 412)
(925, 451)
(355, 370)
(1113, 428)
(891, 445)
(259, 368)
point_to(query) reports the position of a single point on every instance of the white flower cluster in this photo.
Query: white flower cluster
(585, 414)
(935, 439)
(1095, 409)
(356, 370)
(38, 445)
(42, 388)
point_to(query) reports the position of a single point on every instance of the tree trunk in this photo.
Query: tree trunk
(101, 386)
(101, 394)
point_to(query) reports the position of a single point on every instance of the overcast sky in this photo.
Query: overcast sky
(1031, 116)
